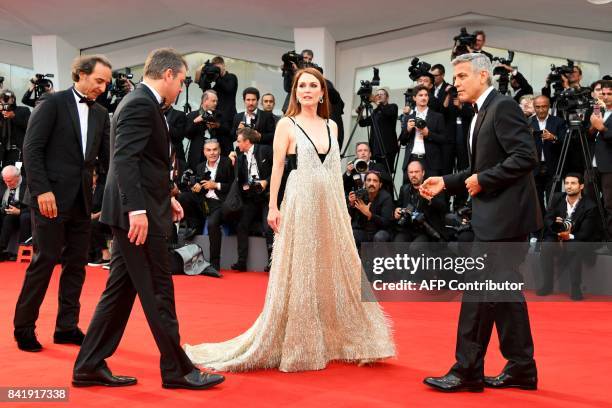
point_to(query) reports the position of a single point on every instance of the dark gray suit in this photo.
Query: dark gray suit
(138, 179)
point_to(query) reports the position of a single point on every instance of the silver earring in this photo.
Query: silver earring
(321, 99)
(298, 100)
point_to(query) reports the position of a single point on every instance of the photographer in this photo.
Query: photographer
(518, 82)
(13, 124)
(371, 210)
(548, 132)
(262, 122)
(384, 145)
(423, 133)
(354, 178)
(213, 75)
(571, 218)
(601, 148)
(561, 78)
(14, 215)
(203, 124)
(253, 171)
(208, 188)
(418, 219)
(39, 85)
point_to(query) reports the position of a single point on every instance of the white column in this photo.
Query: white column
(323, 45)
(53, 55)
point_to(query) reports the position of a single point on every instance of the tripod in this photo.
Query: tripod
(575, 130)
(366, 107)
(186, 106)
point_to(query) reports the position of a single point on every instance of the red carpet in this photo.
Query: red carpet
(572, 350)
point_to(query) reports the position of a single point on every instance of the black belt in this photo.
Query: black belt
(417, 156)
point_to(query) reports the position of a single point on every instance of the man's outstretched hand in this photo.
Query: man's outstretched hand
(431, 187)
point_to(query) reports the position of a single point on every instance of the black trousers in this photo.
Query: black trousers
(99, 233)
(10, 224)
(62, 239)
(142, 270)
(511, 319)
(253, 209)
(569, 257)
(215, 220)
(362, 235)
(192, 206)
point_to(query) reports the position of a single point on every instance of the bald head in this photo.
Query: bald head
(541, 104)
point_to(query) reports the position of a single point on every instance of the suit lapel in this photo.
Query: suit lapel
(74, 115)
(482, 113)
(91, 125)
(166, 140)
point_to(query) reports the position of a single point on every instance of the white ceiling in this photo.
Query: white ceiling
(90, 23)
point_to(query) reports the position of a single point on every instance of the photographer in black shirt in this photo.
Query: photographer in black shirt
(214, 75)
(13, 124)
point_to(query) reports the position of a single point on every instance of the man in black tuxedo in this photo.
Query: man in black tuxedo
(13, 124)
(177, 120)
(203, 124)
(549, 132)
(14, 214)
(504, 209)
(139, 210)
(424, 145)
(384, 145)
(352, 179)
(261, 121)
(253, 171)
(67, 134)
(582, 213)
(204, 201)
(601, 146)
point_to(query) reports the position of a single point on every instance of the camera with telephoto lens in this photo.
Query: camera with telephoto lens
(208, 116)
(189, 179)
(7, 102)
(208, 74)
(121, 86)
(253, 185)
(463, 42)
(420, 123)
(564, 225)
(504, 75)
(418, 68)
(411, 216)
(365, 91)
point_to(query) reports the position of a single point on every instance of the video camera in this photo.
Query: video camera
(463, 42)
(121, 86)
(573, 100)
(418, 68)
(41, 84)
(367, 87)
(557, 72)
(208, 74)
(291, 57)
(504, 75)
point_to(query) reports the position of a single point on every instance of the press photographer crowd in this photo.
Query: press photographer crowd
(222, 158)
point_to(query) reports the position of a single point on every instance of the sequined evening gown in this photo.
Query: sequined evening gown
(313, 313)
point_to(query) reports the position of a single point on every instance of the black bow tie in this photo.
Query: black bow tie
(475, 107)
(83, 99)
(162, 104)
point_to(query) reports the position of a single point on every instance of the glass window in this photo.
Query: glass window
(16, 78)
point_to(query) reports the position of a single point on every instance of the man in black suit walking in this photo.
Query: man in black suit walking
(505, 209)
(67, 132)
(139, 210)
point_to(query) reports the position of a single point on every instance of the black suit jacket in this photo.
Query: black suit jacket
(433, 142)
(386, 118)
(441, 94)
(52, 151)
(195, 133)
(586, 226)
(603, 148)
(226, 88)
(263, 157)
(224, 176)
(20, 204)
(503, 156)
(557, 127)
(524, 87)
(18, 126)
(139, 174)
(264, 124)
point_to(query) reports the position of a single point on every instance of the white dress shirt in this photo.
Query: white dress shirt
(252, 169)
(248, 117)
(419, 141)
(542, 125)
(83, 110)
(481, 99)
(213, 175)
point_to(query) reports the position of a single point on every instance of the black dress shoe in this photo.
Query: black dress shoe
(211, 271)
(101, 376)
(239, 266)
(452, 383)
(195, 380)
(75, 336)
(507, 381)
(26, 341)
